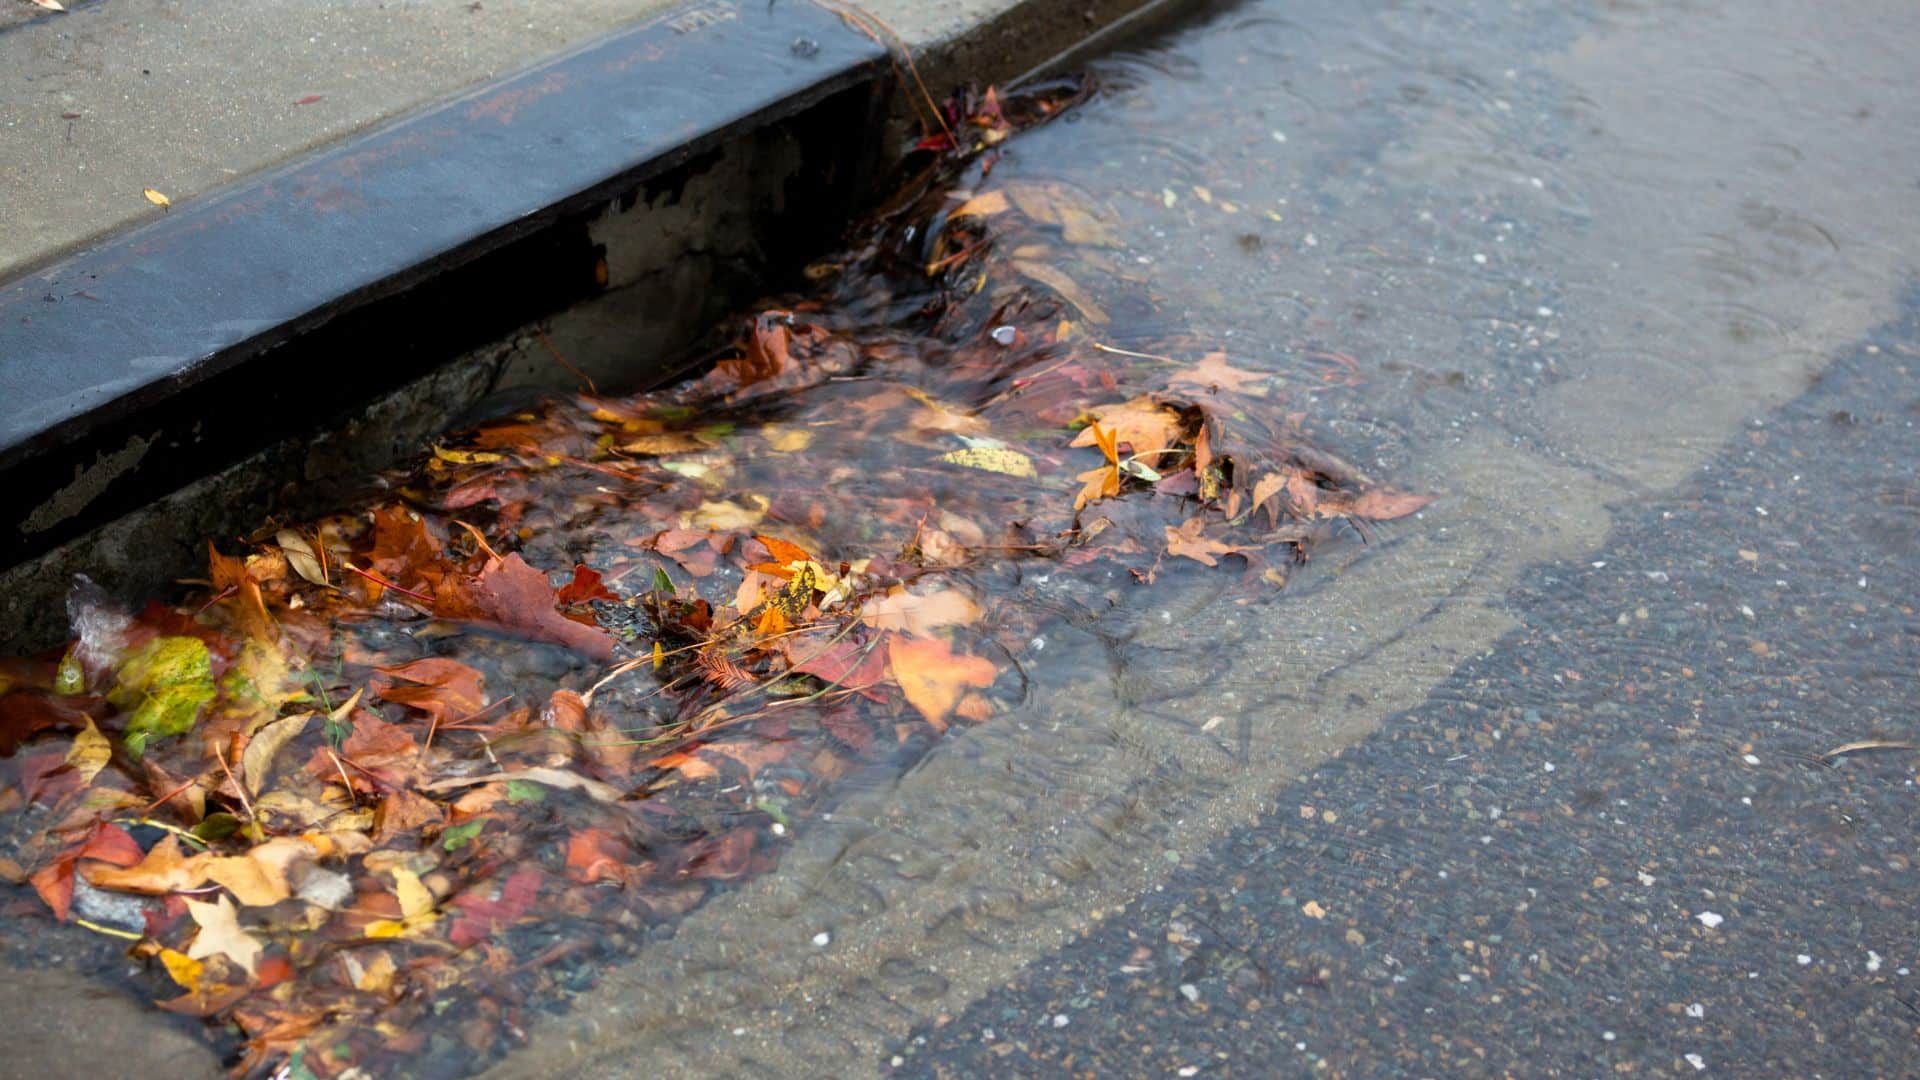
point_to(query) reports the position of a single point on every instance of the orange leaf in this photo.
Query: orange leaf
(1145, 423)
(920, 615)
(782, 552)
(934, 677)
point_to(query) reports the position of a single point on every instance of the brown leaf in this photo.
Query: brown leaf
(934, 677)
(510, 594)
(446, 690)
(1187, 541)
(1213, 373)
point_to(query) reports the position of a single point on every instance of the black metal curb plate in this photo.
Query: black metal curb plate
(93, 342)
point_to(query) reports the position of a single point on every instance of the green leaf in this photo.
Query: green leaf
(460, 836)
(661, 582)
(525, 791)
(164, 683)
(216, 827)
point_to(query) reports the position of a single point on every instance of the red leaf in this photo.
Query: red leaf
(26, 713)
(480, 918)
(585, 586)
(843, 664)
(597, 855)
(107, 843)
(446, 690)
(510, 594)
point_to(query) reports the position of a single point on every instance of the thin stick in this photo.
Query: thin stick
(385, 584)
(1130, 352)
(245, 803)
(479, 538)
(562, 361)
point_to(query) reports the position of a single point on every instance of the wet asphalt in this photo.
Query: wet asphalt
(1612, 846)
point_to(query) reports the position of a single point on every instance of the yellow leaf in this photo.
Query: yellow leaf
(184, 969)
(786, 440)
(467, 457)
(725, 516)
(1144, 423)
(91, 752)
(416, 908)
(992, 459)
(157, 199)
(993, 202)
(660, 445)
(220, 934)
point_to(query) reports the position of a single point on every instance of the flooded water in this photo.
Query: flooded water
(1553, 268)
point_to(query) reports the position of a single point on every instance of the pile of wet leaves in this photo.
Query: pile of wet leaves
(384, 778)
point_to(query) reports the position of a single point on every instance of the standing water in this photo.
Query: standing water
(1035, 639)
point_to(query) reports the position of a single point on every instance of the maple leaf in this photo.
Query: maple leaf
(1103, 482)
(1187, 541)
(934, 677)
(1213, 373)
(510, 594)
(843, 664)
(221, 935)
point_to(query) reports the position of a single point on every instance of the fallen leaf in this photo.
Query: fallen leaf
(1145, 423)
(539, 774)
(727, 516)
(164, 869)
(993, 202)
(1068, 289)
(597, 855)
(444, 689)
(1385, 504)
(221, 935)
(416, 908)
(920, 615)
(183, 969)
(1187, 541)
(1214, 373)
(664, 443)
(301, 556)
(91, 752)
(153, 196)
(510, 594)
(1056, 204)
(106, 844)
(256, 761)
(585, 586)
(259, 877)
(480, 918)
(164, 683)
(934, 677)
(1004, 461)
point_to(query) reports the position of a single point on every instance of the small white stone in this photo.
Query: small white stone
(1751, 759)
(1608, 1036)
(1803, 959)
(1190, 991)
(739, 1031)
(1061, 1020)
(1646, 878)
(779, 829)
(822, 939)
(1548, 766)
(1710, 920)
(1188, 1070)
(1696, 1010)
(896, 1061)
(1873, 960)
(1479, 258)
(1004, 335)
(1699, 1063)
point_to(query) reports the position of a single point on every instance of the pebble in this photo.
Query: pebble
(1699, 1063)
(1803, 959)
(1710, 920)
(822, 939)
(1061, 1020)
(1190, 992)
(1004, 335)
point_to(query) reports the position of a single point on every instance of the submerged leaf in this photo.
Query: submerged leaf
(1005, 462)
(934, 677)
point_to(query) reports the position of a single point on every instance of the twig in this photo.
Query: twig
(385, 584)
(479, 538)
(1869, 744)
(245, 803)
(1130, 352)
(562, 361)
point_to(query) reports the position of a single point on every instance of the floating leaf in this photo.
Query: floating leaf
(153, 196)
